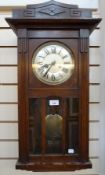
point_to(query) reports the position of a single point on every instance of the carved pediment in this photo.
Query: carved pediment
(52, 15)
(52, 9)
(51, 2)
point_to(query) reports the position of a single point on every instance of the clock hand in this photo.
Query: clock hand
(45, 65)
(50, 66)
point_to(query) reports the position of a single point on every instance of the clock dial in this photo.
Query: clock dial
(53, 63)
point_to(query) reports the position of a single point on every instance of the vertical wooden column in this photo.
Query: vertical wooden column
(84, 105)
(64, 136)
(22, 95)
(43, 115)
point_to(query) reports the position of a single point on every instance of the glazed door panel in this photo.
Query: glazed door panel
(55, 131)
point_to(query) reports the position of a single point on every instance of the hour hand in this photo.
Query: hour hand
(50, 66)
(42, 68)
(45, 65)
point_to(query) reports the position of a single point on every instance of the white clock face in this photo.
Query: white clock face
(53, 63)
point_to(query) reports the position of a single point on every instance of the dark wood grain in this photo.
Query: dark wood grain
(70, 25)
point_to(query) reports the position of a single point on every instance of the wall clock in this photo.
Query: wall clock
(53, 95)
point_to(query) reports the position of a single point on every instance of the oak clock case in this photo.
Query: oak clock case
(53, 92)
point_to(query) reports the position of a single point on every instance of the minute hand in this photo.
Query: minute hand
(53, 63)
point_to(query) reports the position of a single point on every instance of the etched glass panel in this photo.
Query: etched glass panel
(73, 125)
(35, 126)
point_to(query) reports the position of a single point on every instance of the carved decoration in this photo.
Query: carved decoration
(52, 11)
(84, 35)
(84, 45)
(29, 13)
(75, 13)
(22, 45)
(50, 3)
(22, 41)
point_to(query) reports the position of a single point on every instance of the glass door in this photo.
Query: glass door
(54, 125)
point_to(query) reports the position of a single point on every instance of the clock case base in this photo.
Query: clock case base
(55, 166)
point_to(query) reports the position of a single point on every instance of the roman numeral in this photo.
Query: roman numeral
(41, 69)
(46, 51)
(41, 56)
(53, 49)
(65, 70)
(40, 63)
(66, 62)
(47, 76)
(65, 56)
(60, 75)
(53, 77)
(59, 52)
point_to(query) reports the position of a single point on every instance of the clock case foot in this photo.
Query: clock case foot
(55, 166)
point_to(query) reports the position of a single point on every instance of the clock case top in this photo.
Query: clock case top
(52, 21)
(50, 15)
